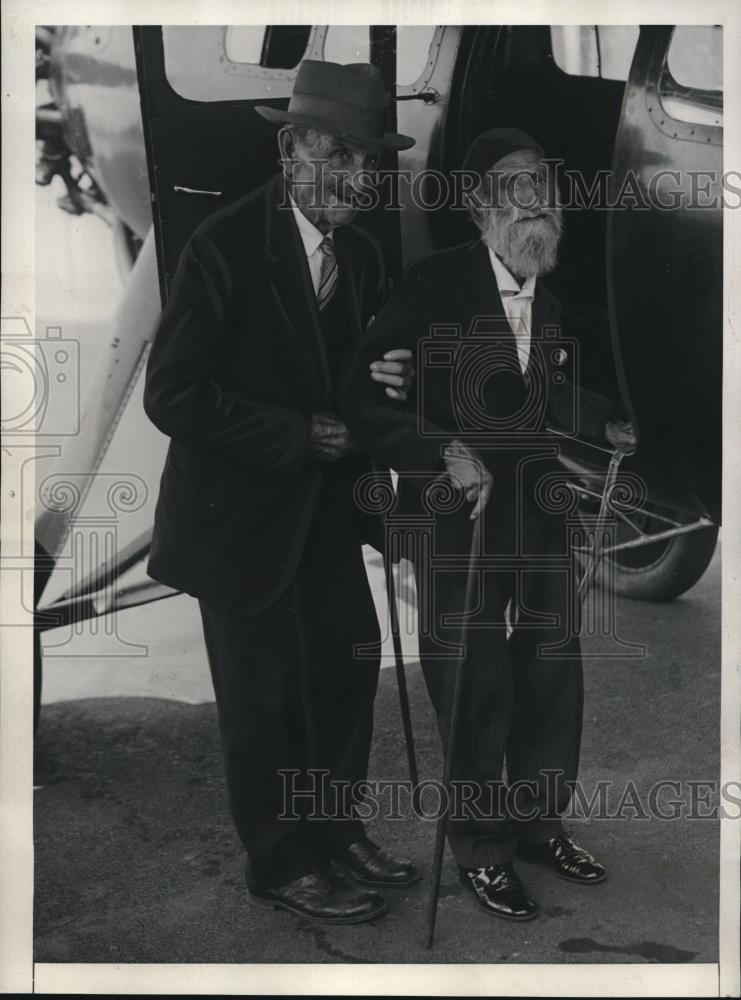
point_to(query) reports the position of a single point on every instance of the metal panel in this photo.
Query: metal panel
(665, 283)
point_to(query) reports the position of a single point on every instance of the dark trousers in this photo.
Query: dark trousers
(293, 696)
(518, 704)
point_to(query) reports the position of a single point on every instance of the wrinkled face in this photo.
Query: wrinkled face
(515, 217)
(327, 175)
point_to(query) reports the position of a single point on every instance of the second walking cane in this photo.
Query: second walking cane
(442, 823)
(401, 681)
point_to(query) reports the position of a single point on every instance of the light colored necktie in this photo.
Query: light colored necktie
(329, 274)
(516, 309)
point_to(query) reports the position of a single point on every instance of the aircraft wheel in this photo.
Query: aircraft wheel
(660, 571)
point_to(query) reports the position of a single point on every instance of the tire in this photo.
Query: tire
(663, 570)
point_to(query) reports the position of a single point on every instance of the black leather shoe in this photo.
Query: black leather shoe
(318, 896)
(370, 865)
(567, 859)
(499, 891)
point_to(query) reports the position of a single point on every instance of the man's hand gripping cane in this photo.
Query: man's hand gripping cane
(467, 471)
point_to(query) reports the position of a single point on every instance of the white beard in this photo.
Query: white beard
(527, 247)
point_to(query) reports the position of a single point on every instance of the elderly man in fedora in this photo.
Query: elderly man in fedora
(521, 701)
(255, 515)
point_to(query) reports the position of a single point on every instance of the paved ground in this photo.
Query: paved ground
(136, 860)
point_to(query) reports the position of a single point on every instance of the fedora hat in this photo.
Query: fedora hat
(347, 101)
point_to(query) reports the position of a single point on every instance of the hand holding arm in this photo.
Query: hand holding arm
(389, 432)
(396, 370)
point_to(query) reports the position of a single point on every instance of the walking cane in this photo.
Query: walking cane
(597, 548)
(594, 559)
(401, 680)
(442, 823)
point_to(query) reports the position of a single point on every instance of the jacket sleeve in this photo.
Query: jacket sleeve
(182, 394)
(390, 432)
(592, 410)
(375, 284)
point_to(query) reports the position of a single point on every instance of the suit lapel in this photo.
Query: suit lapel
(291, 284)
(541, 344)
(536, 324)
(481, 302)
(347, 284)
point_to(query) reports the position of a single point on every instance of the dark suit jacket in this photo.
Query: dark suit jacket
(236, 370)
(475, 389)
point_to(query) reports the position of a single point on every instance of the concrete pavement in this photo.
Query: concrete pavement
(136, 859)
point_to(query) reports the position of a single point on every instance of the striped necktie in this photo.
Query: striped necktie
(329, 274)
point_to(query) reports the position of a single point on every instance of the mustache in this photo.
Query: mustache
(344, 198)
(345, 193)
(344, 201)
(350, 190)
(546, 215)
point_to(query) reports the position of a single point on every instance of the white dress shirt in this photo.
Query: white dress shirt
(311, 237)
(518, 306)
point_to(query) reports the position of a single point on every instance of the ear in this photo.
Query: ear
(475, 209)
(285, 145)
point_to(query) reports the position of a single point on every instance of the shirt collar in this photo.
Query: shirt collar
(311, 237)
(506, 282)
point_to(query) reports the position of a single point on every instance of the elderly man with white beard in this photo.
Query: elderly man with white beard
(490, 376)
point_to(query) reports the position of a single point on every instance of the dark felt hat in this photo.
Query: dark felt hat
(343, 100)
(491, 146)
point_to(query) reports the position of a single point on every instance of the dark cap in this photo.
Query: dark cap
(491, 146)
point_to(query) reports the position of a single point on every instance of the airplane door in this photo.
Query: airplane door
(206, 144)
(665, 261)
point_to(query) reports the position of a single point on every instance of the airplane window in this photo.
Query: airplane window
(347, 43)
(617, 43)
(574, 48)
(412, 51)
(243, 43)
(236, 62)
(277, 46)
(587, 50)
(691, 87)
(695, 57)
